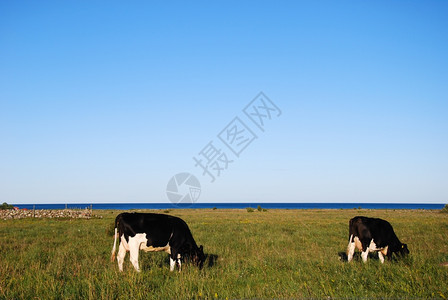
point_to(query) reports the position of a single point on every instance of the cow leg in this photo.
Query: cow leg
(178, 262)
(134, 247)
(350, 249)
(172, 264)
(381, 256)
(365, 251)
(389, 254)
(365, 254)
(120, 256)
(175, 259)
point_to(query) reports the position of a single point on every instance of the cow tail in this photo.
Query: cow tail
(350, 235)
(351, 232)
(112, 258)
(350, 240)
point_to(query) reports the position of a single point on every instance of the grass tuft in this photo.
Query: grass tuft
(444, 209)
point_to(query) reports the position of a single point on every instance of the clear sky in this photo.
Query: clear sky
(104, 101)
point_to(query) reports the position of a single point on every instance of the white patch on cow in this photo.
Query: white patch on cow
(134, 245)
(358, 243)
(364, 255)
(145, 248)
(354, 242)
(172, 264)
(179, 262)
(121, 255)
(124, 243)
(381, 251)
(373, 248)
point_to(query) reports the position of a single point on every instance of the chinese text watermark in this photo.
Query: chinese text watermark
(218, 154)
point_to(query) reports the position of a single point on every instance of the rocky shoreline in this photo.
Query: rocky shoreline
(6, 214)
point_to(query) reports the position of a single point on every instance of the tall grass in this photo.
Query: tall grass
(273, 254)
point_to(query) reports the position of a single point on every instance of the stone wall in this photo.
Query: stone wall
(6, 214)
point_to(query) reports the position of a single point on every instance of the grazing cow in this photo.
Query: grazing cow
(372, 234)
(155, 232)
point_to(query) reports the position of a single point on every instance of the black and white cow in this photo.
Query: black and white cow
(155, 232)
(373, 234)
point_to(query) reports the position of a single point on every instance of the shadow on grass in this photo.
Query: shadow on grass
(210, 260)
(374, 257)
(356, 256)
(162, 262)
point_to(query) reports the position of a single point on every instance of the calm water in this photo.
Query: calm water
(127, 206)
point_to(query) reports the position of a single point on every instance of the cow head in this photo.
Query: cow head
(404, 250)
(198, 257)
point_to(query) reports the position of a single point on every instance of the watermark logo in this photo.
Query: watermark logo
(234, 138)
(183, 188)
(261, 110)
(212, 161)
(237, 136)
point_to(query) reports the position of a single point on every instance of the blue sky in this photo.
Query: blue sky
(106, 101)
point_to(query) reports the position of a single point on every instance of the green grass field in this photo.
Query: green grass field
(273, 254)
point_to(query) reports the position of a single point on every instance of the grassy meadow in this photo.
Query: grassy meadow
(272, 254)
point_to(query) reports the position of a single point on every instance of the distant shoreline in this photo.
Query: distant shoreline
(199, 205)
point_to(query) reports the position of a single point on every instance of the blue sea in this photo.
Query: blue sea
(128, 206)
